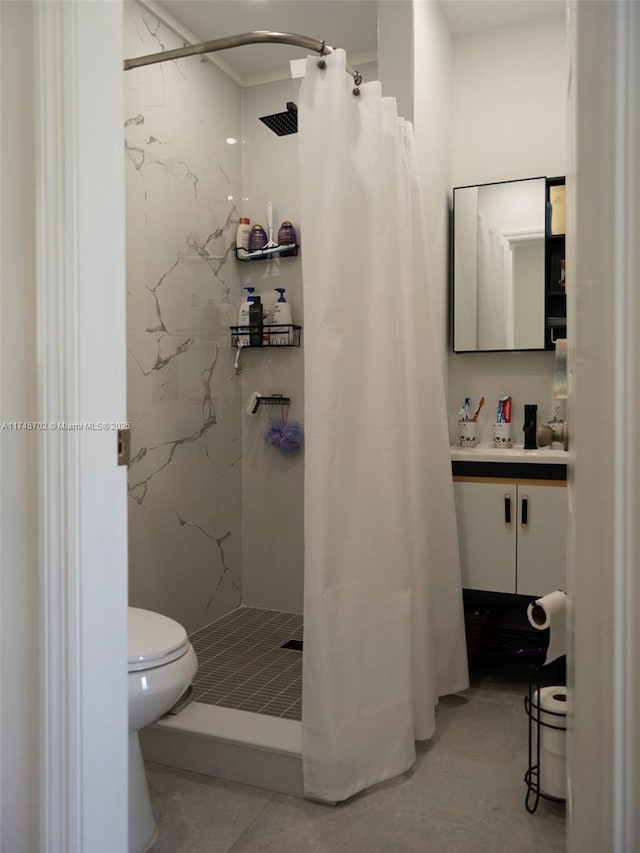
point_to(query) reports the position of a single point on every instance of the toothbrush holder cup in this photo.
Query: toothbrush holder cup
(502, 435)
(467, 433)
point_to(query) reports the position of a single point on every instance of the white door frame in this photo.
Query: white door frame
(603, 274)
(82, 378)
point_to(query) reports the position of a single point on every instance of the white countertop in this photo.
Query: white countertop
(488, 453)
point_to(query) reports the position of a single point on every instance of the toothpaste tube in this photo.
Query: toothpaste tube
(504, 410)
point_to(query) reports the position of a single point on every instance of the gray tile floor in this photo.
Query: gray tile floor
(241, 663)
(464, 795)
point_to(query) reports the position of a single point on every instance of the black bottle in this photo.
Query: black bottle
(530, 426)
(255, 322)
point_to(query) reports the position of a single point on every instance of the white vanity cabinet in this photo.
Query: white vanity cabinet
(541, 542)
(513, 535)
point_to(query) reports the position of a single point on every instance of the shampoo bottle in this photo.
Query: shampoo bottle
(257, 238)
(282, 317)
(243, 317)
(286, 234)
(255, 321)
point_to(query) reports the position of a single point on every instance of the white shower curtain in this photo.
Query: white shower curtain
(384, 629)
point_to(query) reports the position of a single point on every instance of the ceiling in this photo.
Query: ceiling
(466, 17)
(350, 24)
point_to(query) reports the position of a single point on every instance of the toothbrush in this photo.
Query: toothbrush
(475, 417)
(270, 244)
(463, 414)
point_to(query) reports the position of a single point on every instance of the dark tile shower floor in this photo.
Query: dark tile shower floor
(241, 663)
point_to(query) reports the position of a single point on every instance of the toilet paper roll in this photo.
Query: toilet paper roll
(552, 707)
(553, 718)
(550, 611)
(553, 775)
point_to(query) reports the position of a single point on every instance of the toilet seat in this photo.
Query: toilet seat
(154, 640)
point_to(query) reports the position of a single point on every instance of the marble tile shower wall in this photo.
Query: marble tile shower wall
(183, 185)
(272, 484)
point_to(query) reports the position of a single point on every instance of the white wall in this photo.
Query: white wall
(509, 121)
(432, 116)
(183, 188)
(19, 714)
(395, 53)
(509, 103)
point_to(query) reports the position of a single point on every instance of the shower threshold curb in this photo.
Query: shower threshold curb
(238, 746)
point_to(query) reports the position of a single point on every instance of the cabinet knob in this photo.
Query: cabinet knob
(524, 515)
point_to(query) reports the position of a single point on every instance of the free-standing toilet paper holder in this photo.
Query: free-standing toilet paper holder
(536, 723)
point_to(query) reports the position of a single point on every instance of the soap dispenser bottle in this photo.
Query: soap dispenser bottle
(530, 426)
(282, 316)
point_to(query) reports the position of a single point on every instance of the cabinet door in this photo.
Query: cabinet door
(542, 539)
(486, 535)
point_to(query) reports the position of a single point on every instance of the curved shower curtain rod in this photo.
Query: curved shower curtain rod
(259, 37)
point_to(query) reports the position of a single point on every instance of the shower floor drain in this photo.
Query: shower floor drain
(295, 645)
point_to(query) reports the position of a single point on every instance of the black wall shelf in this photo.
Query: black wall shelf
(555, 303)
(285, 251)
(271, 336)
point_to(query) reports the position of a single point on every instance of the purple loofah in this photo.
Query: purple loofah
(284, 436)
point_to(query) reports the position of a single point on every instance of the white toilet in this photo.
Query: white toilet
(162, 664)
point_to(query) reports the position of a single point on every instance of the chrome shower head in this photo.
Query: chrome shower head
(283, 124)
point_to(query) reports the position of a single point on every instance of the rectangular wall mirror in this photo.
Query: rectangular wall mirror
(499, 266)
